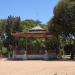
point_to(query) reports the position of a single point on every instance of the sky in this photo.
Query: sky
(28, 9)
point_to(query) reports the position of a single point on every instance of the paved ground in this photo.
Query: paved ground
(37, 67)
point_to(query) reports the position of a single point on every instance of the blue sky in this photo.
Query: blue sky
(28, 9)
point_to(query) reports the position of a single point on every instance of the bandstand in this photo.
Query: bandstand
(40, 33)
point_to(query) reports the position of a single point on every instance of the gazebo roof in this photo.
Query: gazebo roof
(35, 32)
(37, 28)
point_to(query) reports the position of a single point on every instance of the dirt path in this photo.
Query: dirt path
(37, 67)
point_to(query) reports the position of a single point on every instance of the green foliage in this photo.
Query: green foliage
(28, 24)
(14, 24)
(52, 43)
(63, 21)
(37, 44)
(64, 18)
(11, 24)
(1, 26)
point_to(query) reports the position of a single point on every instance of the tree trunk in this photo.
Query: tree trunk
(72, 56)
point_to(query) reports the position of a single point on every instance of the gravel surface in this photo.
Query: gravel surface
(37, 67)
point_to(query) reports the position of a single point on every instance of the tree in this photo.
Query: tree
(16, 25)
(1, 23)
(53, 44)
(10, 25)
(29, 23)
(63, 21)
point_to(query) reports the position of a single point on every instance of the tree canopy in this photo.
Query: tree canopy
(63, 20)
(28, 24)
(15, 24)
